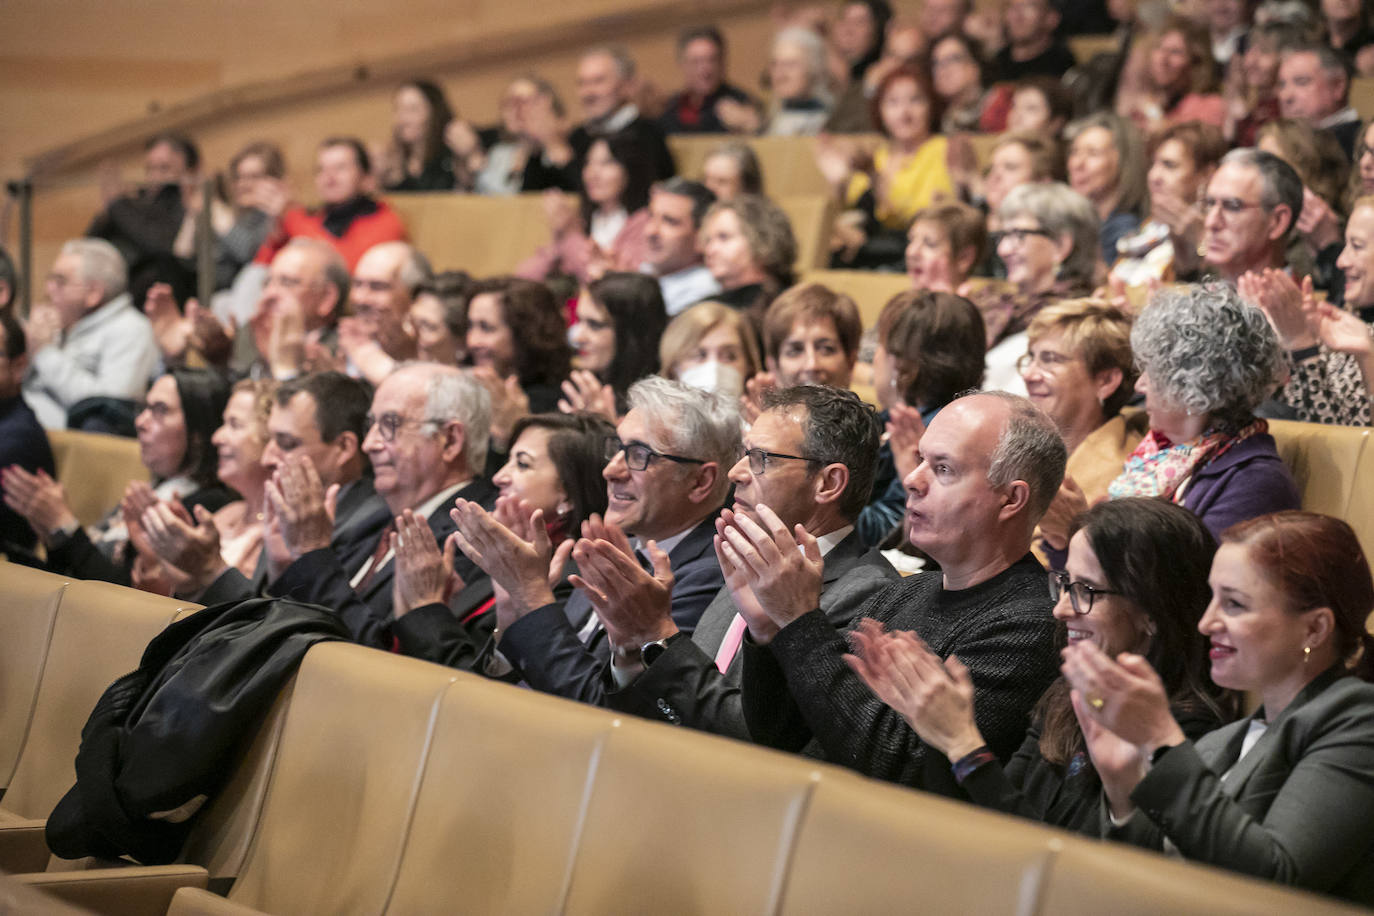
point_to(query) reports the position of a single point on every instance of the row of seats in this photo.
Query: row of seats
(381, 784)
(489, 236)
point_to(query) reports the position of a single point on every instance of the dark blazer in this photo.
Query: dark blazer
(319, 577)
(22, 442)
(683, 686)
(359, 517)
(1299, 808)
(544, 647)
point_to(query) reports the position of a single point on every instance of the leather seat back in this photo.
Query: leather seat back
(99, 635)
(94, 468)
(27, 615)
(340, 798)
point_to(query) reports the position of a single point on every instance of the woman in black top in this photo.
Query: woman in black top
(1136, 581)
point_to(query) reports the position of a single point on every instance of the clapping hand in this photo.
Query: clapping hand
(751, 402)
(935, 697)
(583, 392)
(634, 606)
(423, 573)
(39, 499)
(766, 566)
(191, 548)
(516, 565)
(1281, 299)
(303, 509)
(904, 431)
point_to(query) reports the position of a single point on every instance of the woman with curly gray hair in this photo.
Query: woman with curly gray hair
(1207, 359)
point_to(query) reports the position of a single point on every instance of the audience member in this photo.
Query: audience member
(1041, 106)
(748, 246)
(438, 320)
(701, 58)
(1314, 86)
(1250, 208)
(181, 412)
(989, 465)
(295, 321)
(957, 80)
(1322, 168)
(319, 417)
(853, 110)
(144, 225)
(665, 482)
(1252, 98)
(9, 282)
(427, 441)
(23, 443)
(1032, 46)
(1361, 181)
(732, 169)
(810, 337)
(349, 217)
(554, 469)
(801, 97)
(1136, 581)
(517, 341)
(256, 197)
(1185, 157)
(906, 173)
(710, 346)
(940, 17)
(620, 319)
(497, 154)
(88, 340)
(1016, 159)
(928, 350)
(1107, 166)
(1350, 30)
(1049, 243)
(373, 339)
(1227, 27)
(807, 463)
(1179, 80)
(1292, 591)
(609, 232)
(418, 157)
(605, 83)
(857, 34)
(946, 241)
(672, 243)
(549, 160)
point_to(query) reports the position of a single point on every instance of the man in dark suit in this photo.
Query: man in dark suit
(322, 418)
(22, 439)
(1314, 86)
(427, 440)
(665, 483)
(605, 87)
(810, 457)
(989, 465)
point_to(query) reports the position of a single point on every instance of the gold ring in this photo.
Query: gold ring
(1096, 702)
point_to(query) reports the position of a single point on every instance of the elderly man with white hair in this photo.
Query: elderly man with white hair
(87, 340)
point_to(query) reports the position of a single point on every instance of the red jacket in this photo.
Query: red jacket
(364, 231)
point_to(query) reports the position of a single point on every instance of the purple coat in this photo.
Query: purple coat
(1248, 480)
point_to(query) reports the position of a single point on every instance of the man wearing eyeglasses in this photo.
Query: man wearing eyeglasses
(809, 459)
(1249, 209)
(427, 440)
(989, 465)
(665, 482)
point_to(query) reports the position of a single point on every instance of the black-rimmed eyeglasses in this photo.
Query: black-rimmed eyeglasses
(1081, 594)
(759, 458)
(638, 455)
(388, 424)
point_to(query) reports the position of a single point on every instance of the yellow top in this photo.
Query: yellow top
(922, 179)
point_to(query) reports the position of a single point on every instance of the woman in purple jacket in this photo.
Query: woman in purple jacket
(1207, 359)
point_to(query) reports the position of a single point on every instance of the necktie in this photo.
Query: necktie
(375, 564)
(730, 644)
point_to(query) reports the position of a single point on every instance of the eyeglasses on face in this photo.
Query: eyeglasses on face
(388, 424)
(759, 458)
(1019, 236)
(1048, 360)
(638, 455)
(1081, 594)
(1231, 206)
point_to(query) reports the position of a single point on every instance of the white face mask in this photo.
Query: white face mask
(714, 376)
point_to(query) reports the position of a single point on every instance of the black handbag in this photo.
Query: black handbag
(164, 739)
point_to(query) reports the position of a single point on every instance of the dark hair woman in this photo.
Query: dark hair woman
(1136, 582)
(418, 159)
(615, 338)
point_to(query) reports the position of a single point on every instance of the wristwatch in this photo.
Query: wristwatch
(650, 651)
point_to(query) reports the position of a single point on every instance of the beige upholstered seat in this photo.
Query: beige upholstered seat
(28, 611)
(100, 633)
(94, 468)
(865, 847)
(342, 791)
(869, 289)
(483, 235)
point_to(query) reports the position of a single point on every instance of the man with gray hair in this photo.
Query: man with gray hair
(990, 463)
(384, 286)
(665, 482)
(1250, 207)
(296, 319)
(427, 440)
(88, 340)
(605, 89)
(1314, 86)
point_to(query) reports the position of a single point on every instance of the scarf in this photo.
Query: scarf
(1159, 467)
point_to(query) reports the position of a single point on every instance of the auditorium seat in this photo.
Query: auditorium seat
(514, 768)
(28, 611)
(811, 216)
(1362, 96)
(680, 822)
(94, 468)
(864, 846)
(869, 289)
(1334, 470)
(343, 788)
(485, 236)
(99, 635)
